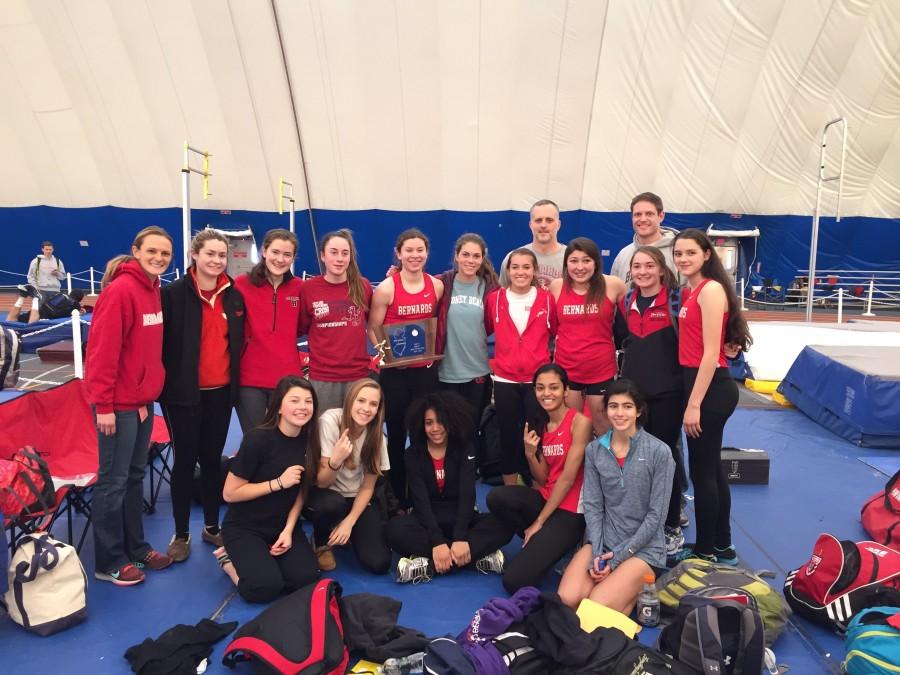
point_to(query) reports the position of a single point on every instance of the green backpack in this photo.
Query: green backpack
(711, 579)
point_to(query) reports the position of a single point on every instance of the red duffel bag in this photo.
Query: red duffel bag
(881, 514)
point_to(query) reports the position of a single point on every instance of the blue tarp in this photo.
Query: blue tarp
(62, 332)
(851, 391)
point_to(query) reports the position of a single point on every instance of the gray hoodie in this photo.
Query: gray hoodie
(621, 266)
(625, 508)
(41, 273)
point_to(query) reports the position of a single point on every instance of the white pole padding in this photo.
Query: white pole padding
(69, 283)
(76, 344)
(92, 282)
(840, 316)
(869, 311)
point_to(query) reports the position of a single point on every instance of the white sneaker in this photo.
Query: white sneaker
(491, 563)
(415, 570)
(674, 540)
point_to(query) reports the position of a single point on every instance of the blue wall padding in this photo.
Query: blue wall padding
(854, 243)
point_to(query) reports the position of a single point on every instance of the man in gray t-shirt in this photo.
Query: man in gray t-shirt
(647, 216)
(544, 223)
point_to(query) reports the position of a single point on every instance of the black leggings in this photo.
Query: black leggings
(517, 506)
(198, 434)
(326, 508)
(408, 536)
(515, 404)
(478, 393)
(664, 421)
(712, 495)
(264, 576)
(402, 386)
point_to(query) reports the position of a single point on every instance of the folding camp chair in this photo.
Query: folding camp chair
(59, 424)
(159, 461)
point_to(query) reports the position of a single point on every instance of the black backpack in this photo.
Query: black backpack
(715, 636)
(488, 450)
(300, 633)
(59, 306)
(638, 658)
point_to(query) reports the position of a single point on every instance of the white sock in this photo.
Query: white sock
(18, 303)
(34, 304)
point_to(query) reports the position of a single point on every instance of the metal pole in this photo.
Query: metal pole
(840, 316)
(869, 311)
(177, 274)
(814, 240)
(743, 292)
(92, 282)
(76, 344)
(291, 222)
(186, 209)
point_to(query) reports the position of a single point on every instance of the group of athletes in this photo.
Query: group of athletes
(593, 378)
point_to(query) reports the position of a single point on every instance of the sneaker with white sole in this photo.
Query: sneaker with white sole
(179, 548)
(674, 540)
(492, 563)
(415, 570)
(126, 575)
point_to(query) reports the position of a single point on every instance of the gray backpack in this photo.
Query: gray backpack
(716, 637)
(10, 346)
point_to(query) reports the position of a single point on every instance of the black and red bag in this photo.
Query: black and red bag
(26, 485)
(300, 633)
(881, 514)
(841, 578)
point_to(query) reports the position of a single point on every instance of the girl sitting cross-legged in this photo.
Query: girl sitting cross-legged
(444, 530)
(627, 481)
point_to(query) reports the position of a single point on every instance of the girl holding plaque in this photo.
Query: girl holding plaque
(523, 319)
(333, 312)
(585, 309)
(410, 295)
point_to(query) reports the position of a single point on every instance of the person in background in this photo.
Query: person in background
(203, 334)
(548, 518)
(647, 330)
(124, 374)
(334, 308)
(544, 222)
(627, 479)
(409, 295)
(710, 316)
(586, 302)
(647, 216)
(354, 453)
(265, 549)
(444, 530)
(523, 320)
(45, 272)
(272, 298)
(461, 335)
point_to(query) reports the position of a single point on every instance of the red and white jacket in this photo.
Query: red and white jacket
(516, 357)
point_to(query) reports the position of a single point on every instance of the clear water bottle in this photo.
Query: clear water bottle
(408, 664)
(648, 602)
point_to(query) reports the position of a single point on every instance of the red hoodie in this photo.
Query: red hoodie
(270, 331)
(516, 357)
(123, 367)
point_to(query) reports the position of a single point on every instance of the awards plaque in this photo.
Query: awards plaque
(407, 343)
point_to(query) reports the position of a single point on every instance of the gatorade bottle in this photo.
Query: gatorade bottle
(648, 602)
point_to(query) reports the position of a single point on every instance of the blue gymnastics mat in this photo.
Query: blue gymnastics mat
(851, 391)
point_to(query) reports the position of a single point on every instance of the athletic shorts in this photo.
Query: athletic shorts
(595, 389)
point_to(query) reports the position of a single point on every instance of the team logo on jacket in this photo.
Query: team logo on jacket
(153, 319)
(294, 301)
(813, 564)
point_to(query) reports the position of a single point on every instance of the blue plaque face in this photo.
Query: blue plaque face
(407, 340)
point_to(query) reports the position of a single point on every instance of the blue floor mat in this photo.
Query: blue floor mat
(816, 484)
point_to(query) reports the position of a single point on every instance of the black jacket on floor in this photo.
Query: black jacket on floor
(370, 627)
(179, 650)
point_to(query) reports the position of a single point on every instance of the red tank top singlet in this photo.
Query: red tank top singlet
(555, 448)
